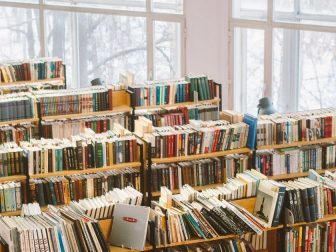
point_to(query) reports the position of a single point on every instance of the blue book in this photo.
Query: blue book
(251, 121)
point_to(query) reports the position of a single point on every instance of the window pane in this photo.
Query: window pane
(21, 1)
(59, 30)
(110, 44)
(318, 70)
(19, 29)
(134, 5)
(168, 6)
(322, 7)
(250, 9)
(167, 41)
(248, 68)
(283, 5)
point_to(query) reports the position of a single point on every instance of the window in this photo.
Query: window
(97, 38)
(285, 49)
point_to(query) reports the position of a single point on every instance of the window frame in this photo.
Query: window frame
(237, 100)
(149, 15)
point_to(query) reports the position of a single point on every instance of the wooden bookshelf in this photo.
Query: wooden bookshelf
(298, 174)
(14, 213)
(328, 217)
(200, 156)
(13, 178)
(20, 121)
(297, 144)
(93, 170)
(215, 100)
(31, 83)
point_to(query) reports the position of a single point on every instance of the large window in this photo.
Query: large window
(285, 49)
(97, 38)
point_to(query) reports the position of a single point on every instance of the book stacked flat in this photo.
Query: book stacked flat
(197, 172)
(316, 237)
(31, 70)
(294, 127)
(61, 190)
(102, 207)
(18, 133)
(295, 159)
(83, 151)
(11, 196)
(77, 101)
(180, 115)
(197, 137)
(66, 128)
(16, 106)
(11, 160)
(188, 216)
(55, 230)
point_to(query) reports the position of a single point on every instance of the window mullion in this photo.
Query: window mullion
(268, 51)
(43, 49)
(150, 40)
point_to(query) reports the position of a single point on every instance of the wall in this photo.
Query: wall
(207, 43)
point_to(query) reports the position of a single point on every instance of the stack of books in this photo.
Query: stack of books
(11, 160)
(294, 127)
(316, 237)
(65, 128)
(197, 137)
(295, 159)
(65, 102)
(102, 207)
(18, 133)
(197, 172)
(55, 230)
(83, 151)
(61, 190)
(187, 216)
(156, 93)
(180, 115)
(16, 107)
(11, 196)
(31, 70)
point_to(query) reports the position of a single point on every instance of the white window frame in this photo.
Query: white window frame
(148, 14)
(237, 100)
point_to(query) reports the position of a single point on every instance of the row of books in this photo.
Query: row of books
(84, 100)
(84, 151)
(156, 93)
(316, 237)
(16, 107)
(61, 190)
(31, 70)
(295, 159)
(11, 160)
(18, 133)
(197, 137)
(197, 172)
(180, 115)
(178, 218)
(61, 229)
(11, 196)
(101, 207)
(294, 127)
(66, 128)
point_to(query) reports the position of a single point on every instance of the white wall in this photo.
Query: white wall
(207, 43)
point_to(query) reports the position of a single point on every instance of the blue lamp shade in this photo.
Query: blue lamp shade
(265, 106)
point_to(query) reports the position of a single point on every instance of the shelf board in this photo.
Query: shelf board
(215, 100)
(13, 178)
(296, 144)
(16, 122)
(117, 109)
(32, 82)
(197, 188)
(329, 217)
(199, 156)
(14, 213)
(93, 170)
(298, 174)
